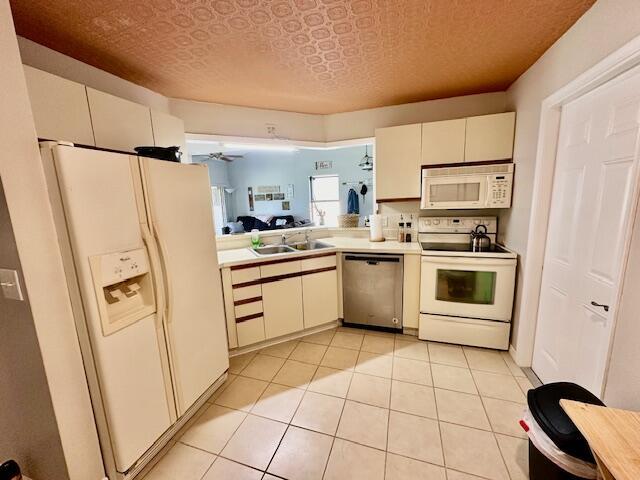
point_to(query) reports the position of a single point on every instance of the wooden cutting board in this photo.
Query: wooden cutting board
(613, 436)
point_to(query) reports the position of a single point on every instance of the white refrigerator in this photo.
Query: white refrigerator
(138, 243)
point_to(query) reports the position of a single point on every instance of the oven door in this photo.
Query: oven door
(468, 287)
(457, 191)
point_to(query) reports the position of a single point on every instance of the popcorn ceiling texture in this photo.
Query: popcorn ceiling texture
(312, 56)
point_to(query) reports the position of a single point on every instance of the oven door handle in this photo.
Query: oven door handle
(469, 261)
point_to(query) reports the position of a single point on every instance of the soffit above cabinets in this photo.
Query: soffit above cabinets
(313, 56)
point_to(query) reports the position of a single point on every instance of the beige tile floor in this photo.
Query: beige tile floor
(354, 404)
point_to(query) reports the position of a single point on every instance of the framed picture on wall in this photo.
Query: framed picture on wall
(286, 205)
(259, 197)
(250, 191)
(278, 196)
(268, 197)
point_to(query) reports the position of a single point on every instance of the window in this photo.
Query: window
(325, 199)
(219, 208)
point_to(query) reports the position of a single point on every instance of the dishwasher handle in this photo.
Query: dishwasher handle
(371, 260)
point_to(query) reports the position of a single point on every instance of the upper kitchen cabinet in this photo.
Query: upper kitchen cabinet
(117, 123)
(397, 162)
(443, 142)
(59, 106)
(489, 137)
(168, 131)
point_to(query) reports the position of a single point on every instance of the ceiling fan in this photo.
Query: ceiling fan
(224, 157)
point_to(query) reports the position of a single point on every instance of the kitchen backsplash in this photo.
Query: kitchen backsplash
(391, 213)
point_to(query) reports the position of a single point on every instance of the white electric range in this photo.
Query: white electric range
(466, 296)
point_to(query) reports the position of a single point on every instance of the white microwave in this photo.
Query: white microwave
(473, 186)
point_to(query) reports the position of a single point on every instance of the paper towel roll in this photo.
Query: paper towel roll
(375, 228)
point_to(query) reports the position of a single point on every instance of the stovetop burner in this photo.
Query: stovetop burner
(460, 247)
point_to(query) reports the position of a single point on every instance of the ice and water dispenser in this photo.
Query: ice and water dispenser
(124, 288)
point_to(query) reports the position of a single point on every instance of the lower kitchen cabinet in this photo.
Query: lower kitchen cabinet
(250, 331)
(282, 303)
(320, 298)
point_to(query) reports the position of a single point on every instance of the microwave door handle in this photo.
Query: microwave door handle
(487, 196)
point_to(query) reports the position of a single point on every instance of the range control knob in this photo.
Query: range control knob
(477, 222)
(436, 222)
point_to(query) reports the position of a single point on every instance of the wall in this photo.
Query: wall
(27, 420)
(283, 168)
(362, 124)
(209, 118)
(39, 56)
(214, 118)
(32, 220)
(601, 30)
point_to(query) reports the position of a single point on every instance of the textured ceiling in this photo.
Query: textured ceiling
(315, 56)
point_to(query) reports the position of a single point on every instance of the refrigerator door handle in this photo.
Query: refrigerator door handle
(158, 273)
(162, 253)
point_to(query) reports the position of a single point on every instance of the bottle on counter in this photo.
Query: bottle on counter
(255, 238)
(407, 234)
(401, 230)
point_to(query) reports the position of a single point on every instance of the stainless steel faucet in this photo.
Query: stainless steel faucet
(284, 237)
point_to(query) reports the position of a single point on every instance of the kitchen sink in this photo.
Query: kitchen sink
(310, 245)
(273, 249)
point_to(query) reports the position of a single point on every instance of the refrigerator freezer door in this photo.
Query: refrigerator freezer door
(99, 202)
(179, 204)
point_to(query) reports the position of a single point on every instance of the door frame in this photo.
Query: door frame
(617, 63)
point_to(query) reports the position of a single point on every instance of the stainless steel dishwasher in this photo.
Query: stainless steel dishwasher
(372, 290)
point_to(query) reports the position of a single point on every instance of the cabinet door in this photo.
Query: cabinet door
(489, 137)
(117, 123)
(320, 298)
(60, 108)
(282, 303)
(397, 162)
(411, 291)
(168, 131)
(443, 142)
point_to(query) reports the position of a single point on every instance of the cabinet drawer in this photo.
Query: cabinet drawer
(276, 269)
(251, 331)
(247, 309)
(245, 275)
(244, 293)
(318, 262)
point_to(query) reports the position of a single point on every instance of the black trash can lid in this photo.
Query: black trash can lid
(544, 404)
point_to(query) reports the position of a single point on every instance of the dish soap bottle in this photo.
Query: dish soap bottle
(401, 230)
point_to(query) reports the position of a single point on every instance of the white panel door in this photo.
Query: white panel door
(100, 207)
(592, 198)
(179, 204)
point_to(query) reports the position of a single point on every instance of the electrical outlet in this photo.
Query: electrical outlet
(10, 284)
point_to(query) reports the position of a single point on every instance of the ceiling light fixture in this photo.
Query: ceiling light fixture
(366, 163)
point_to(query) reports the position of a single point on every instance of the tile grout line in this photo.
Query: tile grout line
(333, 439)
(495, 439)
(429, 362)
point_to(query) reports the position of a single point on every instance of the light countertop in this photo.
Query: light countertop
(239, 256)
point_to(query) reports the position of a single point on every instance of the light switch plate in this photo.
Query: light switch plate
(10, 284)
